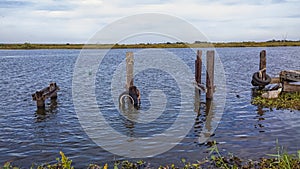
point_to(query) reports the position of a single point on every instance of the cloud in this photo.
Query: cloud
(13, 4)
(77, 20)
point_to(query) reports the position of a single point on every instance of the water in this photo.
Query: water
(246, 130)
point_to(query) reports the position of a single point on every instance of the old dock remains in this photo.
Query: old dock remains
(42, 95)
(288, 80)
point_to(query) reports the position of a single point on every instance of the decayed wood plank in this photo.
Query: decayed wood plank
(290, 75)
(287, 87)
(45, 93)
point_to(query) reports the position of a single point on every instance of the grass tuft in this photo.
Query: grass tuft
(284, 101)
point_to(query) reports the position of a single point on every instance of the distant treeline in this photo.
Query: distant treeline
(196, 44)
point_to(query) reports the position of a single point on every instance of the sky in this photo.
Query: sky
(76, 21)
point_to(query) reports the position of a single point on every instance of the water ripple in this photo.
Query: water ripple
(29, 135)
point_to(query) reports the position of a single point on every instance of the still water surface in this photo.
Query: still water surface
(27, 135)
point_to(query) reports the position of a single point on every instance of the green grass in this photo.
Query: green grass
(284, 101)
(272, 43)
(280, 160)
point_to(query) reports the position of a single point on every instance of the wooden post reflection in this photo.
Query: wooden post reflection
(209, 115)
(197, 101)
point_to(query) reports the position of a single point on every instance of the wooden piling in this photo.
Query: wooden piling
(263, 64)
(198, 67)
(53, 94)
(129, 69)
(198, 71)
(42, 95)
(210, 59)
(40, 104)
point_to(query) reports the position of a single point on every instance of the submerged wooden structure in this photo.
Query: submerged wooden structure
(287, 77)
(286, 80)
(290, 75)
(42, 95)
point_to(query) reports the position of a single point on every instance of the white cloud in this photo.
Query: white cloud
(53, 21)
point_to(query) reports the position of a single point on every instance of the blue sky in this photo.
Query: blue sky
(75, 21)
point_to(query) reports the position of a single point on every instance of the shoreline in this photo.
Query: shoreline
(150, 45)
(215, 159)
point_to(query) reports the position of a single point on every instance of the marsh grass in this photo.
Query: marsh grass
(283, 159)
(284, 101)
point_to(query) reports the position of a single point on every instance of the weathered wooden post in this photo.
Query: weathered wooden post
(198, 71)
(260, 78)
(129, 69)
(198, 66)
(53, 94)
(42, 95)
(40, 100)
(132, 92)
(263, 64)
(210, 59)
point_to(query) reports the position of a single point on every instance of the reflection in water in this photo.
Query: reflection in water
(254, 92)
(209, 117)
(260, 111)
(203, 126)
(44, 113)
(131, 115)
(197, 101)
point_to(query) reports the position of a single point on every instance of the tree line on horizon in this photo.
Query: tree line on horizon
(269, 43)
